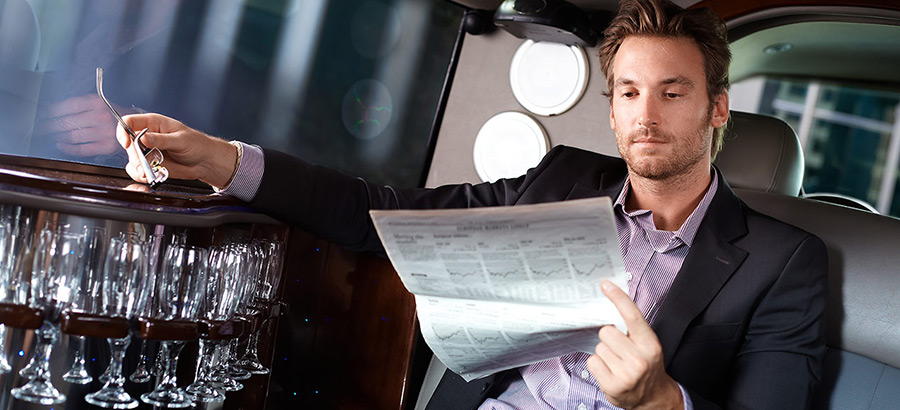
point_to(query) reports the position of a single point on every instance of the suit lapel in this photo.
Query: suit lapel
(710, 262)
(708, 265)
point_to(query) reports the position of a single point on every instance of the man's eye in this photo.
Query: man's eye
(629, 94)
(672, 95)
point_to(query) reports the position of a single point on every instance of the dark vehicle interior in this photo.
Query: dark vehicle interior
(413, 93)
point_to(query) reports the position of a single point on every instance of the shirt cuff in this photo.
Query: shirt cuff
(688, 404)
(248, 175)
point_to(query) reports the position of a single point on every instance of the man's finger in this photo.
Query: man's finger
(67, 107)
(611, 357)
(634, 320)
(52, 126)
(155, 122)
(615, 341)
(123, 137)
(599, 370)
(135, 173)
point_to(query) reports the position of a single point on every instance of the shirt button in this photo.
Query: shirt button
(581, 406)
(627, 275)
(585, 374)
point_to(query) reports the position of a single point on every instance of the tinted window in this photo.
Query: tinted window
(352, 84)
(850, 135)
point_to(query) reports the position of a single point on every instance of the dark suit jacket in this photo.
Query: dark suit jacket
(741, 327)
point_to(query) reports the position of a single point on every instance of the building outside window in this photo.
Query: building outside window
(850, 134)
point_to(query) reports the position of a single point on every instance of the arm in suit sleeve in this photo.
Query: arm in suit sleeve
(336, 206)
(779, 362)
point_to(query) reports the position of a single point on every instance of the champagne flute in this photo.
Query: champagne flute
(156, 245)
(217, 324)
(123, 278)
(55, 277)
(15, 268)
(252, 258)
(269, 276)
(227, 372)
(180, 287)
(5, 232)
(87, 298)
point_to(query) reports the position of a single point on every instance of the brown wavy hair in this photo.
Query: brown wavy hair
(664, 19)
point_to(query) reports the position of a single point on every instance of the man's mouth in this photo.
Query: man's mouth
(648, 141)
(647, 137)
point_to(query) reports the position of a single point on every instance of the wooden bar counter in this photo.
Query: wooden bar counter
(344, 335)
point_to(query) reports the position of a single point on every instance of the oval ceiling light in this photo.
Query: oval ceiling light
(507, 145)
(548, 78)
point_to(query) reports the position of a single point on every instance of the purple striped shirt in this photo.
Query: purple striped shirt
(652, 259)
(248, 175)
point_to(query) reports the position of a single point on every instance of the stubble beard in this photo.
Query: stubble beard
(652, 166)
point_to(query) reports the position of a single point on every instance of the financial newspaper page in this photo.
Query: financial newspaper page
(502, 287)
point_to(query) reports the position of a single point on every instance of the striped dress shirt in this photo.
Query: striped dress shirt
(248, 175)
(652, 259)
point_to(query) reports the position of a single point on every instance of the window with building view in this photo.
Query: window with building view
(353, 84)
(850, 134)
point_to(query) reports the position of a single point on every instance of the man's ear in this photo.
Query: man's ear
(612, 118)
(720, 110)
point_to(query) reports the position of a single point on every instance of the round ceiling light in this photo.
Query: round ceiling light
(507, 145)
(548, 78)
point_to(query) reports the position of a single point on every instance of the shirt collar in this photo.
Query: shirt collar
(688, 229)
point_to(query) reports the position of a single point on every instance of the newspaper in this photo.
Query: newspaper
(502, 287)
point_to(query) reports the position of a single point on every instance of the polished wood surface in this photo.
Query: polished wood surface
(109, 193)
(348, 337)
(93, 325)
(222, 330)
(20, 317)
(155, 329)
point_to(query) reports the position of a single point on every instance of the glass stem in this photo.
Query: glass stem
(4, 362)
(172, 349)
(117, 349)
(78, 363)
(141, 373)
(250, 353)
(77, 373)
(46, 336)
(207, 349)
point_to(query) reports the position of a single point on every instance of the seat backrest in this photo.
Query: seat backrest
(862, 366)
(761, 153)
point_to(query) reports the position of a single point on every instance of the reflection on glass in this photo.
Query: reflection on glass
(272, 74)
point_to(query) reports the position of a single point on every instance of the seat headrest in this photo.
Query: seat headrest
(761, 153)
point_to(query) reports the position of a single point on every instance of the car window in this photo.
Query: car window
(849, 135)
(833, 83)
(353, 84)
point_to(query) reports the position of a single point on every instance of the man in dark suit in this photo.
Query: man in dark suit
(725, 305)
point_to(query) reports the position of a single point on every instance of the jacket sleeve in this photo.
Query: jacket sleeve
(335, 206)
(779, 363)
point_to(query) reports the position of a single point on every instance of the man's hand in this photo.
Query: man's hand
(81, 126)
(629, 368)
(188, 153)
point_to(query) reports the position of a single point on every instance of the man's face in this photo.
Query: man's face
(660, 108)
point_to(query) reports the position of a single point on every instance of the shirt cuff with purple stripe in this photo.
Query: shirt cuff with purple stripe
(248, 175)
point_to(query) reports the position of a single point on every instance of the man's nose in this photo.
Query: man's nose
(648, 116)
